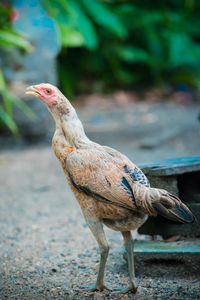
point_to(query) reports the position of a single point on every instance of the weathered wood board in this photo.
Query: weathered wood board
(180, 176)
(174, 166)
(162, 247)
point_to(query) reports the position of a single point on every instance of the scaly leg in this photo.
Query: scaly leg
(128, 243)
(97, 229)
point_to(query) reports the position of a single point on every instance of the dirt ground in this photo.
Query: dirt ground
(47, 250)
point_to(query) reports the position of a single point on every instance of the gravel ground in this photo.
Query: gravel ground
(47, 250)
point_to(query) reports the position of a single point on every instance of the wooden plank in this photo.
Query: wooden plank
(141, 246)
(172, 166)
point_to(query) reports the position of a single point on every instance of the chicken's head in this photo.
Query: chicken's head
(57, 103)
(46, 92)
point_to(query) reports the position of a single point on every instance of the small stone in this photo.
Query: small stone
(54, 270)
(81, 267)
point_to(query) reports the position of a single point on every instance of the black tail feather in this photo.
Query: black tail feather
(186, 214)
(175, 211)
(153, 201)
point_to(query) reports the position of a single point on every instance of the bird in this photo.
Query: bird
(110, 189)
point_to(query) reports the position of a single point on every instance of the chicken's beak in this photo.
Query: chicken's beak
(32, 90)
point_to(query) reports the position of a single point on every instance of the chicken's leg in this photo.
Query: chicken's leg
(129, 243)
(97, 229)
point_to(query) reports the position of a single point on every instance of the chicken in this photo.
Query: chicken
(110, 189)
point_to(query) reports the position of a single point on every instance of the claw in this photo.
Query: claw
(94, 288)
(130, 288)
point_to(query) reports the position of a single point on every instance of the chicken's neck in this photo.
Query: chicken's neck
(73, 130)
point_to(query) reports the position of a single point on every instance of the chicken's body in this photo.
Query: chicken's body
(110, 189)
(115, 216)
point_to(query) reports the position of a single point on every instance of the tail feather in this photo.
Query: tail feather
(158, 201)
(176, 212)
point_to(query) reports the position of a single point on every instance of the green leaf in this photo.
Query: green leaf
(70, 37)
(2, 82)
(132, 54)
(8, 121)
(50, 8)
(7, 101)
(104, 17)
(10, 37)
(75, 27)
(59, 10)
(126, 76)
(6, 111)
(84, 25)
(182, 50)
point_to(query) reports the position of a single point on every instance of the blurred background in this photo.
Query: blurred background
(132, 71)
(138, 62)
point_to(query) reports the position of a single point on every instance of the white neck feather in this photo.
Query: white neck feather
(68, 122)
(74, 131)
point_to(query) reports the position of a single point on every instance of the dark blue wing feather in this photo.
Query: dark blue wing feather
(137, 175)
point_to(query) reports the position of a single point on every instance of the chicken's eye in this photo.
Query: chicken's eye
(48, 91)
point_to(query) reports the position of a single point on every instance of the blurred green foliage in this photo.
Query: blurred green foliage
(118, 43)
(10, 38)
